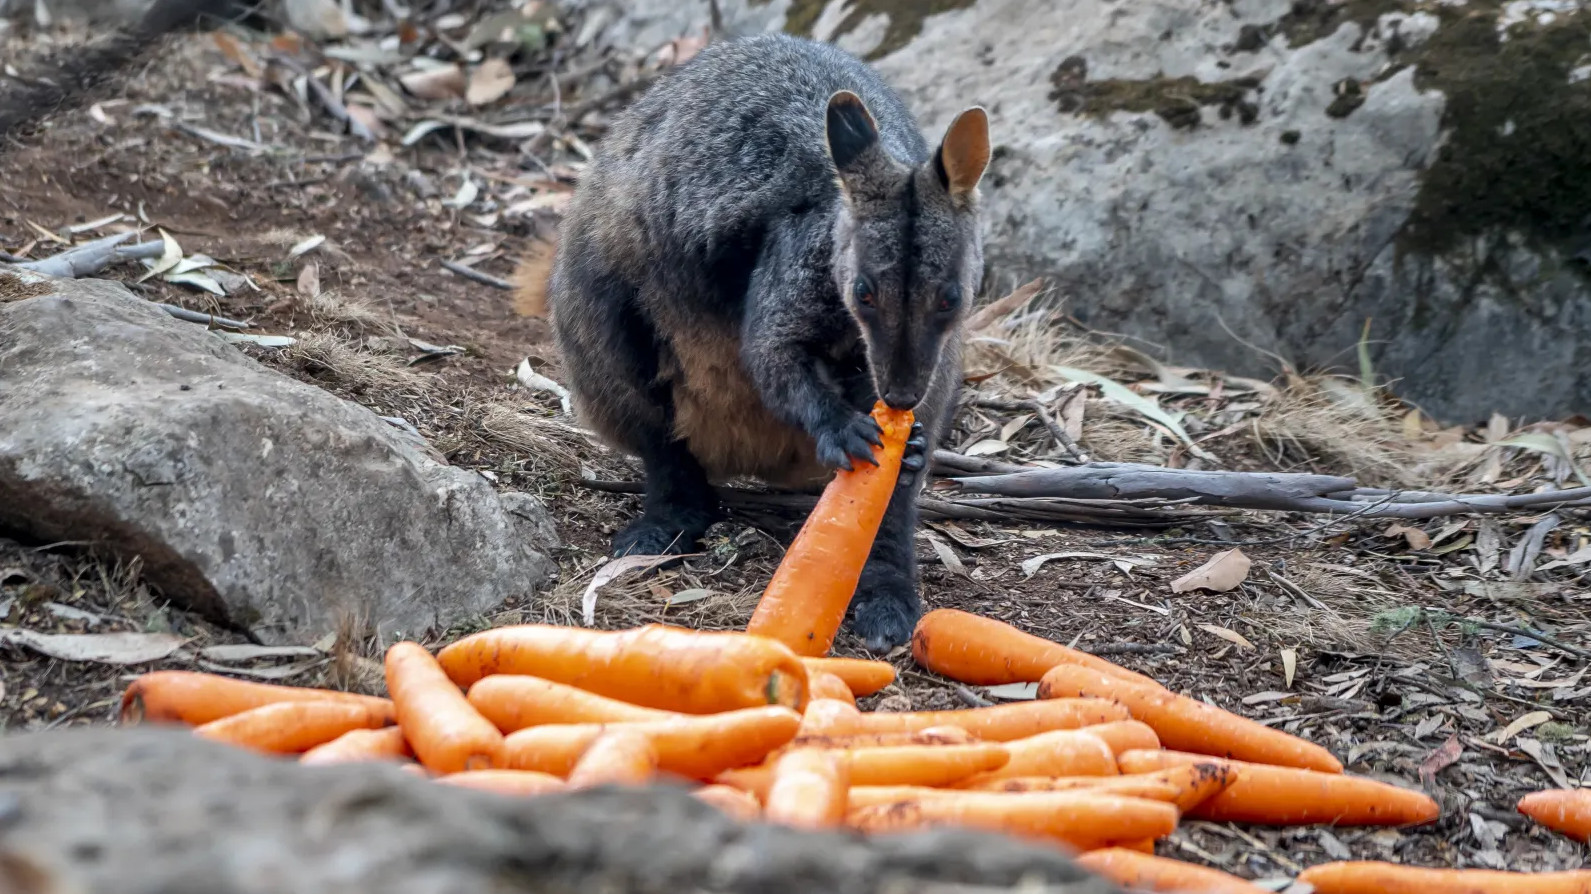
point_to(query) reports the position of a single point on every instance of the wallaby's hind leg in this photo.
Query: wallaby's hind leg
(611, 356)
(679, 505)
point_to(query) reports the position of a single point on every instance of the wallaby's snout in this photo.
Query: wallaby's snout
(902, 398)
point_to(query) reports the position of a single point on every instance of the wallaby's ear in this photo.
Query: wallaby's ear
(850, 130)
(964, 153)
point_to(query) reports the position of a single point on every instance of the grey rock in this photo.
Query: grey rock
(159, 811)
(1283, 170)
(252, 498)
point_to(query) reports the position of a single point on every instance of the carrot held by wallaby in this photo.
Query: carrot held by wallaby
(808, 789)
(863, 675)
(360, 745)
(1289, 796)
(1187, 724)
(176, 696)
(292, 727)
(981, 651)
(654, 665)
(1082, 819)
(1562, 810)
(447, 734)
(1374, 877)
(618, 756)
(1145, 872)
(513, 702)
(807, 598)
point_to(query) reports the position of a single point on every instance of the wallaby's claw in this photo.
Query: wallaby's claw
(855, 437)
(915, 459)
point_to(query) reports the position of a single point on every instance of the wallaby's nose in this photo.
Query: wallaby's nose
(901, 399)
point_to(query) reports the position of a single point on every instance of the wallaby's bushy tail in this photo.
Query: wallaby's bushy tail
(85, 68)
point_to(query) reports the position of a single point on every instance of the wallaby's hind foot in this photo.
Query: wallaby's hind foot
(885, 608)
(663, 531)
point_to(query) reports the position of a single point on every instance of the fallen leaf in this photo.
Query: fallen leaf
(947, 556)
(197, 280)
(1031, 566)
(234, 653)
(1014, 426)
(101, 648)
(1289, 666)
(1134, 401)
(693, 594)
(265, 671)
(1544, 443)
(489, 82)
(1184, 634)
(264, 341)
(306, 246)
(466, 196)
(535, 381)
(1443, 757)
(1231, 636)
(442, 82)
(309, 281)
(1526, 722)
(1579, 557)
(170, 256)
(989, 313)
(1013, 691)
(1416, 538)
(987, 447)
(1224, 571)
(607, 573)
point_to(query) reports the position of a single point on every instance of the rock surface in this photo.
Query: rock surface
(252, 498)
(1283, 169)
(150, 811)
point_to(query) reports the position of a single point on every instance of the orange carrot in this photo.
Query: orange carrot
(985, 652)
(357, 745)
(822, 684)
(174, 696)
(618, 756)
(446, 733)
(1562, 810)
(808, 790)
(933, 735)
(1372, 877)
(997, 724)
(737, 804)
(1186, 785)
(811, 589)
(1082, 819)
(1141, 846)
(1146, 872)
(654, 666)
(1187, 724)
(1060, 752)
(863, 675)
(292, 727)
(514, 702)
(1124, 735)
(505, 782)
(698, 747)
(925, 765)
(1261, 793)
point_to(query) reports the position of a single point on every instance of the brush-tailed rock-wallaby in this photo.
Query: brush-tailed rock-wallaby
(763, 246)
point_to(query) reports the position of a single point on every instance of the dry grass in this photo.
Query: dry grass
(1328, 425)
(335, 307)
(325, 355)
(545, 444)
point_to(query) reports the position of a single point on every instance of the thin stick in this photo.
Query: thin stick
(485, 279)
(193, 316)
(1515, 629)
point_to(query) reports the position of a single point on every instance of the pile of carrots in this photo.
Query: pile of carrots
(764, 726)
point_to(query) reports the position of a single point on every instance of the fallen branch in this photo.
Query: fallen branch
(945, 460)
(1517, 630)
(193, 316)
(92, 257)
(485, 279)
(1273, 491)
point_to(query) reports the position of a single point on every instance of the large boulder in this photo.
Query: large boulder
(1276, 172)
(149, 811)
(253, 499)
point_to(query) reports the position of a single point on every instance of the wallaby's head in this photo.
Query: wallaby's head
(907, 252)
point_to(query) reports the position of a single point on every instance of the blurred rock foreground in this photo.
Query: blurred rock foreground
(148, 811)
(1277, 172)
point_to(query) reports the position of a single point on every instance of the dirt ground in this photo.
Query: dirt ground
(1324, 639)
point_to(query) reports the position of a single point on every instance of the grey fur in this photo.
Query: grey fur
(704, 295)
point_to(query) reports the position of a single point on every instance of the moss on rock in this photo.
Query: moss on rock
(905, 17)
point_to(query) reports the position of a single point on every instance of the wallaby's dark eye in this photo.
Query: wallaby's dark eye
(862, 291)
(949, 299)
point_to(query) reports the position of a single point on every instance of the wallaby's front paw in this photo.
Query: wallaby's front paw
(854, 436)
(915, 459)
(885, 609)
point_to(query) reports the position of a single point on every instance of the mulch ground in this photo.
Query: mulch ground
(1358, 637)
